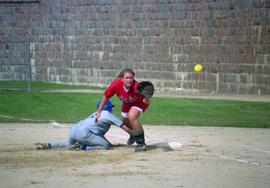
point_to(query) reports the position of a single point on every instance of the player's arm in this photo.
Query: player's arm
(125, 128)
(112, 119)
(110, 91)
(101, 106)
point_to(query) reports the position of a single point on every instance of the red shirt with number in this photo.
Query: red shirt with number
(129, 97)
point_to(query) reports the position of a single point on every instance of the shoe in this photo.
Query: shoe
(130, 141)
(77, 146)
(140, 147)
(43, 146)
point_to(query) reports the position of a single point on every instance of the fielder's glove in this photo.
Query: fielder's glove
(146, 89)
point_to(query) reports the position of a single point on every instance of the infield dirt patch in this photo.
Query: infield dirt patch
(209, 157)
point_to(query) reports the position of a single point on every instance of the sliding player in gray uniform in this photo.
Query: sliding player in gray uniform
(88, 134)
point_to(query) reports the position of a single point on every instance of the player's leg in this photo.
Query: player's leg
(56, 144)
(61, 144)
(133, 119)
(73, 141)
(124, 114)
(137, 128)
(125, 120)
(95, 142)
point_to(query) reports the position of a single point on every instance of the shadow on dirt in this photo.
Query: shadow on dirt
(160, 145)
(155, 146)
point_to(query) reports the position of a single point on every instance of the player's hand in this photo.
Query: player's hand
(147, 100)
(97, 116)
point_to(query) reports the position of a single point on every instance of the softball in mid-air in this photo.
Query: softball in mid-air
(198, 68)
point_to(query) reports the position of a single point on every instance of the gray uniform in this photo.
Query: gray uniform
(88, 132)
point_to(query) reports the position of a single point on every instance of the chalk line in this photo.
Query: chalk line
(53, 122)
(260, 150)
(231, 158)
(224, 157)
(242, 161)
(24, 119)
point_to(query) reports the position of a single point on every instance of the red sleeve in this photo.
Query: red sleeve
(111, 90)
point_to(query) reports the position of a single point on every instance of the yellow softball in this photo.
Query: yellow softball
(198, 68)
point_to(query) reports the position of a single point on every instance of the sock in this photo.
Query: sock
(139, 138)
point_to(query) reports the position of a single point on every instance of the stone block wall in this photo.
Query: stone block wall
(90, 41)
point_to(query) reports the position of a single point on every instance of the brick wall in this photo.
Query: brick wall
(90, 41)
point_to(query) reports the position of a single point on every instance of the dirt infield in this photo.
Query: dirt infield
(209, 157)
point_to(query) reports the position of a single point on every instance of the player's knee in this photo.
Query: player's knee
(132, 117)
(134, 114)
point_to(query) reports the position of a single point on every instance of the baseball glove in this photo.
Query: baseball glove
(146, 89)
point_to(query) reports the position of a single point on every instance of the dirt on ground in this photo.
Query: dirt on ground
(177, 156)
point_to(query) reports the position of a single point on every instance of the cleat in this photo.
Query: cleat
(43, 146)
(131, 141)
(140, 147)
(77, 146)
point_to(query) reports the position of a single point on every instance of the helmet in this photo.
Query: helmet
(108, 106)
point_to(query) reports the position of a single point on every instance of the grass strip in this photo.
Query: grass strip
(72, 107)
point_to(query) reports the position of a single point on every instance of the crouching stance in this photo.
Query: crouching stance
(88, 134)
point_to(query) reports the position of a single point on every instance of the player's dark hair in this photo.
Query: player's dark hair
(126, 70)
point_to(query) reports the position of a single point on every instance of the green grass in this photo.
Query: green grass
(72, 107)
(201, 112)
(38, 86)
(62, 107)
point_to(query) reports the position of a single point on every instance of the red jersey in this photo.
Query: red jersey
(129, 97)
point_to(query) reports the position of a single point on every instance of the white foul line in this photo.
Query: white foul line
(224, 157)
(53, 122)
(231, 158)
(242, 161)
(263, 151)
(24, 119)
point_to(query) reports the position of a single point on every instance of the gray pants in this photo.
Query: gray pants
(84, 137)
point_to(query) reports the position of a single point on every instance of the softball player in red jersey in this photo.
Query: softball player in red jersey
(133, 105)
